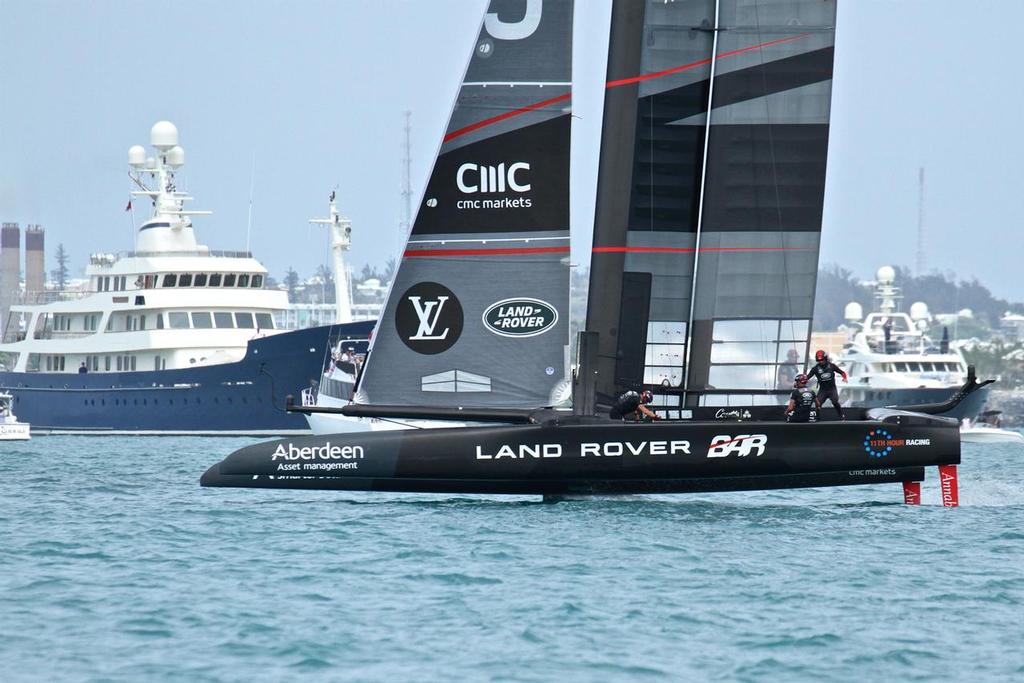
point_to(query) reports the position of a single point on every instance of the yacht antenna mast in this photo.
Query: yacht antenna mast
(341, 241)
(406, 217)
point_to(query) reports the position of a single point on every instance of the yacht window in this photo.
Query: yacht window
(229, 280)
(106, 363)
(159, 321)
(156, 363)
(200, 280)
(243, 280)
(257, 281)
(177, 321)
(244, 320)
(264, 321)
(223, 319)
(49, 363)
(927, 367)
(120, 361)
(914, 367)
(185, 280)
(202, 320)
(95, 363)
(215, 280)
(170, 279)
(133, 363)
(142, 322)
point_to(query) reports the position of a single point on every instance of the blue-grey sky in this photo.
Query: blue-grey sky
(316, 90)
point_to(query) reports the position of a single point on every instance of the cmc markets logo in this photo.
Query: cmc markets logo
(520, 317)
(880, 443)
(741, 445)
(429, 318)
(472, 178)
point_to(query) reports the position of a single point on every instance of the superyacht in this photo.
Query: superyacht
(171, 338)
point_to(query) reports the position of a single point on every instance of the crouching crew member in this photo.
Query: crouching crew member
(803, 404)
(825, 372)
(630, 406)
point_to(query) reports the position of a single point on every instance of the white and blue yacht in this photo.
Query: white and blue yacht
(171, 338)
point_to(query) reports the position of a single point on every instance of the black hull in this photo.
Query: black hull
(586, 456)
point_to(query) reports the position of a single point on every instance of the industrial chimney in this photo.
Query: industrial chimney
(10, 269)
(35, 264)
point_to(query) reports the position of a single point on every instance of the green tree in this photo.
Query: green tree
(60, 273)
(291, 281)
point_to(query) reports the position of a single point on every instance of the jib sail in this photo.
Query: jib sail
(478, 312)
(720, 206)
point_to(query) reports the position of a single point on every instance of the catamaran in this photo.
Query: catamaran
(705, 252)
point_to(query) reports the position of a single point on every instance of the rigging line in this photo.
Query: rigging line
(700, 211)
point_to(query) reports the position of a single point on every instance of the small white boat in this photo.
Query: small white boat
(10, 428)
(982, 431)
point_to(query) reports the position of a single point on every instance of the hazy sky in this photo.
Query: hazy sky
(316, 91)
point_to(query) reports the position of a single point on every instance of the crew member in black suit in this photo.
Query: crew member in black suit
(630, 406)
(803, 404)
(825, 372)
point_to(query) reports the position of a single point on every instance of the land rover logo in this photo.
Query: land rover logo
(520, 317)
(429, 318)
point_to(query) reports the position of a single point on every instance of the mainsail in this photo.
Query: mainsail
(710, 216)
(478, 312)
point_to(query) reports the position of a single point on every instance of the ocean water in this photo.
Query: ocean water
(116, 566)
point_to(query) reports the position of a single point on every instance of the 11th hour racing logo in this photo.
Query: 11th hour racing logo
(474, 179)
(880, 443)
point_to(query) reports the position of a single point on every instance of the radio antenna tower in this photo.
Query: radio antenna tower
(406, 217)
(920, 222)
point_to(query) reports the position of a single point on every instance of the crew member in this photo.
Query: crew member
(825, 372)
(803, 404)
(788, 370)
(630, 406)
(82, 369)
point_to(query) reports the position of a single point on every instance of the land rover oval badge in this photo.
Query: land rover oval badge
(520, 317)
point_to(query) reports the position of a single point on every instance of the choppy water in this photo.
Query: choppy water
(115, 565)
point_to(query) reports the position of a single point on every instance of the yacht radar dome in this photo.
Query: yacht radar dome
(853, 312)
(176, 157)
(886, 275)
(919, 311)
(163, 135)
(137, 156)
(151, 164)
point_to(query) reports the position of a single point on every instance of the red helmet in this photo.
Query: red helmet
(800, 381)
(646, 396)
(820, 355)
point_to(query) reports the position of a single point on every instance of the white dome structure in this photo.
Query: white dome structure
(886, 275)
(176, 157)
(919, 311)
(137, 156)
(163, 135)
(853, 312)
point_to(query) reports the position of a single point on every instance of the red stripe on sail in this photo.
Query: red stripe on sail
(702, 62)
(417, 253)
(686, 250)
(614, 84)
(507, 115)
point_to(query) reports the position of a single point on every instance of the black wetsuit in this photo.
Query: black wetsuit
(625, 406)
(827, 391)
(806, 403)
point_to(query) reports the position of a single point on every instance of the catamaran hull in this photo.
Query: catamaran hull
(600, 458)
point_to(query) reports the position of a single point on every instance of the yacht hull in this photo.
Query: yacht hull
(590, 456)
(242, 398)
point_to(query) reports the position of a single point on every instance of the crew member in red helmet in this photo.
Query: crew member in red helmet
(825, 372)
